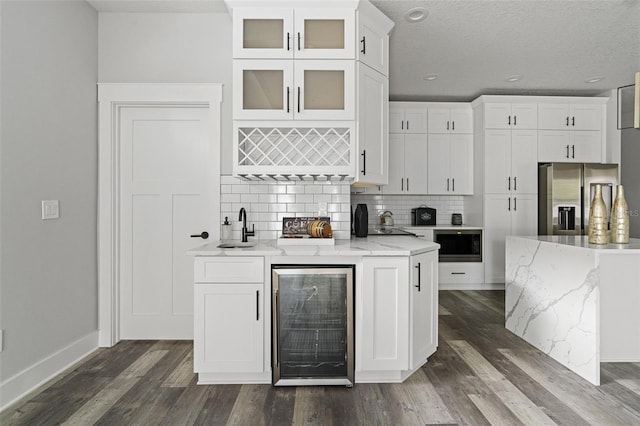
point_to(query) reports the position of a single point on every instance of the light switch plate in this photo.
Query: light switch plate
(50, 209)
(1, 340)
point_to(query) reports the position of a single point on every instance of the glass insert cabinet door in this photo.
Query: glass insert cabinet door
(287, 33)
(312, 325)
(280, 89)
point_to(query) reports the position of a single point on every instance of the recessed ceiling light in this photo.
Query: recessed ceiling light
(513, 78)
(430, 77)
(594, 79)
(416, 14)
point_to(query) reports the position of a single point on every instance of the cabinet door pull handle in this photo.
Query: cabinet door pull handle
(407, 124)
(515, 118)
(447, 184)
(364, 45)
(509, 184)
(288, 41)
(288, 99)
(453, 184)
(567, 151)
(402, 125)
(567, 120)
(298, 40)
(515, 183)
(458, 273)
(276, 320)
(509, 121)
(509, 208)
(257, 305)
(453, 125)
(573, 151)
(447, 125)
(364, 162)
(407, 184)
(515, 204)
(418, 266)
(298, 99)
(401, 184)
(573, 121)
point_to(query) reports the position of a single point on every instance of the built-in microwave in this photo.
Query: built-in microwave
(459, 245)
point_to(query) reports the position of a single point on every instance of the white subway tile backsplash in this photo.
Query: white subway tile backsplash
(401, 205)
(267, 203)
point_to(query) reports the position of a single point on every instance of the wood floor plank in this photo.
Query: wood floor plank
(310, 407)
(470, 383)
(510, 395)
(574, 392)
(494, 410)
(95, 408)
(183, 374)
(249, 406)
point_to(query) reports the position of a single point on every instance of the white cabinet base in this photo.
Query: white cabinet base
(234, 378)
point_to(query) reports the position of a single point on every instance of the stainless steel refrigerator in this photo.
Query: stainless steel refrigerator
(565, 192)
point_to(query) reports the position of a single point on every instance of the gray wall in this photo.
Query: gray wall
(49, 151)
(630, 177)
(170, 48)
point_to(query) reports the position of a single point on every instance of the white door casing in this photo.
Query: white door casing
(118, 103)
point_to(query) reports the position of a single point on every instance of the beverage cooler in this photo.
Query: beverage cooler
(313, 327)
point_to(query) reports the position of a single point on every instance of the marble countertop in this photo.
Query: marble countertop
(370, 246)
(582, 241)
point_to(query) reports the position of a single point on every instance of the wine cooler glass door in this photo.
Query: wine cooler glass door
(313, 325)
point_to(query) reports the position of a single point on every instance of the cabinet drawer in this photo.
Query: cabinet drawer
(455, 273)
(229, 269)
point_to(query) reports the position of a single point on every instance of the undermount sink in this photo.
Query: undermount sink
(237, 244)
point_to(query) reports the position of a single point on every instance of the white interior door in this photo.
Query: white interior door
(167, 193)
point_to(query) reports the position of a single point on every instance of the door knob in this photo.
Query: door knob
(204, 235)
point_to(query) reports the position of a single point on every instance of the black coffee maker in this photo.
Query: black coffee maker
(361, 221)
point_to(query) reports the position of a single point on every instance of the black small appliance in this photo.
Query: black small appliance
(361, 221)
(423, 216)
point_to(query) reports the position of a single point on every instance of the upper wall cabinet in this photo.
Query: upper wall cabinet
(373, 41)
(511, 116)
(287, 89)
(450, 120)
(570, 117)
(303, 33)
(407, 118)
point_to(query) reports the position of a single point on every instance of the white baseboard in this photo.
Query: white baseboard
(471, 286)
(18, 386)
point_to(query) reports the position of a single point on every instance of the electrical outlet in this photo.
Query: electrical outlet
(50, 209)
(1, 340)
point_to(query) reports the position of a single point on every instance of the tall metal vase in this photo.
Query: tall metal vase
(598, 232)
(620, 218)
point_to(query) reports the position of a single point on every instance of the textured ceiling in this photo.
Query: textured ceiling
(475, 45)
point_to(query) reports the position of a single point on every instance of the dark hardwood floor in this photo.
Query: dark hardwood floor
(481, 374)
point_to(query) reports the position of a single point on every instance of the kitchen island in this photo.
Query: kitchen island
(577, 302)
(395, 305)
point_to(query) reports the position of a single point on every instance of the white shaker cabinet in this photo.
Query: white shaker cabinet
(373, 43)
(505, 214)
(407, 117)
(450, 120)
(424, 307)
(510, 116)
(229, 317)
(294, 90)
(407, 159)
(385, 314)
(301, 33)
(450, 164)
(562, 116)
(570, 146)
(511, 161)
(373, 132)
